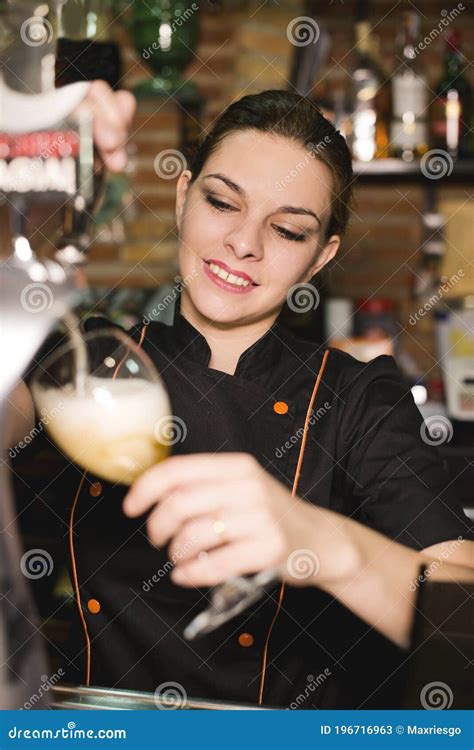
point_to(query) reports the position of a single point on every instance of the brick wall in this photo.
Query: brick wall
(243, 48)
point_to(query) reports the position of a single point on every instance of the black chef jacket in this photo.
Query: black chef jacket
(365, 458)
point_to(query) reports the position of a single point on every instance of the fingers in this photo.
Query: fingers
(219, 565)
(115, 161)
(115, 108)
(127, 105)
(204, 534)
(210, 499)
(180, 471)
(181, 506)
(112, 114)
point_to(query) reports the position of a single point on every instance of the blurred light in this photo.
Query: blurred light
(57, 274)
(420, 394)
(164, 37)
(132, 366)
(41, 10)
(91, 30)
(103, 396)
(22, 248)
(367, 93)
(37, 272)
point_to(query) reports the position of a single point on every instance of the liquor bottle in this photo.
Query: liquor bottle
(451, 110)
(370, 95)
(409, 128)
(426, 277)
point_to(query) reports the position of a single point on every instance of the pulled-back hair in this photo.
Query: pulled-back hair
(290, 115)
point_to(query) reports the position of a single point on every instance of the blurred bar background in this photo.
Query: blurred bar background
(397, 79)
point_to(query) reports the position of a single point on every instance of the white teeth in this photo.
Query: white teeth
(231, 278)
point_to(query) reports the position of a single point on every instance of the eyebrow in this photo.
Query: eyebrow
(282, 209)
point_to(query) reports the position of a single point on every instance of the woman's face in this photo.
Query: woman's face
(258, 212)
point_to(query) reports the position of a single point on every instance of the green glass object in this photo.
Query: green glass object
(453, 86)
(165, 33)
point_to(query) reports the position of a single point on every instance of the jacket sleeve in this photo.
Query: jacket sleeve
(390, 461)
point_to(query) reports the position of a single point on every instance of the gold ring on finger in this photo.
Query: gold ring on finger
(219, 528)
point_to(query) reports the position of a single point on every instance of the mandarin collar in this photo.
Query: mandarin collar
(260, 358)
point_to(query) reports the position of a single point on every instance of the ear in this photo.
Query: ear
(326, 254)
(182, 187)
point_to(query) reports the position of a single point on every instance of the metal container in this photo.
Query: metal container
(81, 698)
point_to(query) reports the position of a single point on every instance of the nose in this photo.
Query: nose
(244, 241)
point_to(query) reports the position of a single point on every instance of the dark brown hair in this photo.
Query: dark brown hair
(284, 113)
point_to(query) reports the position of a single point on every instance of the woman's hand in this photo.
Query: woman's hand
(224, 515)
(265, 527)
(112, 113)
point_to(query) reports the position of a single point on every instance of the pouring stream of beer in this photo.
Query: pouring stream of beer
(72, 324)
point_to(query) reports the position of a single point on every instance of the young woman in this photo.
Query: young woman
(282, 440)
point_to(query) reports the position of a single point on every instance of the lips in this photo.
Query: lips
(232, 281)
(232, 271)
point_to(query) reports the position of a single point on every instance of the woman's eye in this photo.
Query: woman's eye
(219, 205)
(290, 235)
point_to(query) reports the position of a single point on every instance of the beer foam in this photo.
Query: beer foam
(110, 429)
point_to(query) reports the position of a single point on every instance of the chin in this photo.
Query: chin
(221, 306)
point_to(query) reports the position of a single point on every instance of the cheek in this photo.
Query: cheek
(289, 266)
(200, 232)
(200, 235)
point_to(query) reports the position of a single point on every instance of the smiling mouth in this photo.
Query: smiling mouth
(235, 278)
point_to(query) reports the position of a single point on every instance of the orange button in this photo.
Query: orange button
(281, 407)
(93, 606)
(95, 489)
(246, 639)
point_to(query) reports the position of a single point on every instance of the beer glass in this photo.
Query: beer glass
(104, 404)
